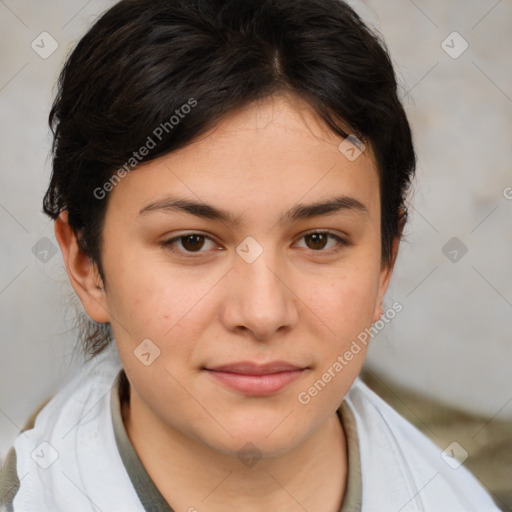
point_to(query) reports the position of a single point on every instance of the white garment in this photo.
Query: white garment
(402, 471)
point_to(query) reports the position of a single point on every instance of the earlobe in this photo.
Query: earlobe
(82, 272)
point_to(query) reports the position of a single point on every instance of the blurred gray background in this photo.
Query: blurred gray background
(451, 342)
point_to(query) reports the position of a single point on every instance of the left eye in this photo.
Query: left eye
(319, 239)
(192, 243)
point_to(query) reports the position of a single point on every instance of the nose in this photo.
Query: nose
(260, 297)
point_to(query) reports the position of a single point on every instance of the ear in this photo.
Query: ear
(387, 270)
(385, 277)
(82, 272)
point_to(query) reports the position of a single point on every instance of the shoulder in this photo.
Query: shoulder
(55, 422)
(9, 480)
(398, 461)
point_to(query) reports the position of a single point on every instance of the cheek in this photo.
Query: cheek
(343, 311)
(345, 299)
(153, 300)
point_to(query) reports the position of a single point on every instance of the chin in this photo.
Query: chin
(266, 434)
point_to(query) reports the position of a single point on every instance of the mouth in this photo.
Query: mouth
(256, 380)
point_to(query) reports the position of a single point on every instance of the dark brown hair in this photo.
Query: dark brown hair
(144, 60)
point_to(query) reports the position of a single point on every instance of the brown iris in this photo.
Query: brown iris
(319, 240)
(192, 242)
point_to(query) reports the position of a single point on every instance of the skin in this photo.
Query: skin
(294, 303)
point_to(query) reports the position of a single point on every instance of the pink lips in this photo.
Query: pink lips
(252, 379)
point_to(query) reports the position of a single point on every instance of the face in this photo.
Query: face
(249, 301)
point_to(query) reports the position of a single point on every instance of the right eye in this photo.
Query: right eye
(191, 244)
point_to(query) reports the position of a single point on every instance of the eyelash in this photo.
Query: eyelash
(169, 244)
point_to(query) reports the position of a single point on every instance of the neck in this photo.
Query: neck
(191, 476)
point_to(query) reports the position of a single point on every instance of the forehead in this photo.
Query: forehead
(262, 158)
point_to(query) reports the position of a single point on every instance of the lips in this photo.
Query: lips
(254, 379)
(247, 368)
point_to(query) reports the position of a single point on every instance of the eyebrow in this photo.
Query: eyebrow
(298, 212)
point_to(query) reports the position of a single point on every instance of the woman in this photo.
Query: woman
(228, 190)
